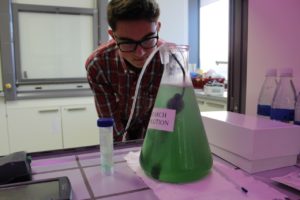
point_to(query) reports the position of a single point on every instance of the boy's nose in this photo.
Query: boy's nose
(139, 50)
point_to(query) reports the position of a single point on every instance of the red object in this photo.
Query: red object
(199, 82)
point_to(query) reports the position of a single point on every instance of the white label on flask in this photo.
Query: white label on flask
(162, 119)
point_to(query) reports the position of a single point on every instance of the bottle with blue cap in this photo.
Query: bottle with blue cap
(106, 144)
(283, 105)
(267, 93)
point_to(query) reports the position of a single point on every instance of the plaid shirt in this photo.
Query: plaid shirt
(113, 84)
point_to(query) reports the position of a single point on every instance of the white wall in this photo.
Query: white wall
(273, 41)
(174, 20)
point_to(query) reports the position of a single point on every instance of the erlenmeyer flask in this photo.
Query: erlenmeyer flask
(176, 148)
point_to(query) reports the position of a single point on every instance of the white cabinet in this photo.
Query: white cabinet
(4, 147)
(34, 129)
(51, 124)
(79, 125)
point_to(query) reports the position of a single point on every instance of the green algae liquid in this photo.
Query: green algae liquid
(183, 155)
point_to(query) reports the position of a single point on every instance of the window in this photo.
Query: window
(237, 48)
(51, 50)
(46, 46)
(214, 31)
(51, 46)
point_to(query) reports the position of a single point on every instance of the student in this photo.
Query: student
(114, 67)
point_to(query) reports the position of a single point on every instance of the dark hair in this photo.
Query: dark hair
(118, 10)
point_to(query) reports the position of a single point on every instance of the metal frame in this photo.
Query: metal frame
(237, 62)
(7, 50)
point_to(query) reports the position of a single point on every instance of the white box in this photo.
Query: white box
(252, 143)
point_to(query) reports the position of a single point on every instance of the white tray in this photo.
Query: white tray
(291, 180)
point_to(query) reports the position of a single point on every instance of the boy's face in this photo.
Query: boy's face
(128, 32)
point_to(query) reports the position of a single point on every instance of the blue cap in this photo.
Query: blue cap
(105, 122)
(194, 74)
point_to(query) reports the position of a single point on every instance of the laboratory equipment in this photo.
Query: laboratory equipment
(283, 105)
(267, 92)
(252, 143)
(52, 188)
(15, 167)
(175, 148)
(106, 145)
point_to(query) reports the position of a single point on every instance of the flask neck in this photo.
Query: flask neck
(175, 59)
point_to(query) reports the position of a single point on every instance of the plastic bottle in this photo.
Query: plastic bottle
(106, 145)
(267, 93)
(297, 111)
(283, 106)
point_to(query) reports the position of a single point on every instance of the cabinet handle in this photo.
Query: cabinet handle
(48, 110)
(76, 109)
(215, 105)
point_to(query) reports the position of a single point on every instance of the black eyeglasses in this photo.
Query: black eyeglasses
(131, 45)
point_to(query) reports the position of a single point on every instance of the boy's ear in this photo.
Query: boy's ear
(158, 26)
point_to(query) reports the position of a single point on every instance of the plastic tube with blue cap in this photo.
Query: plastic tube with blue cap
(106, 145)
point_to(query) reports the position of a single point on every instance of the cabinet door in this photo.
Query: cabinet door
(4, 146)
(79, 126)
(34, 129)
